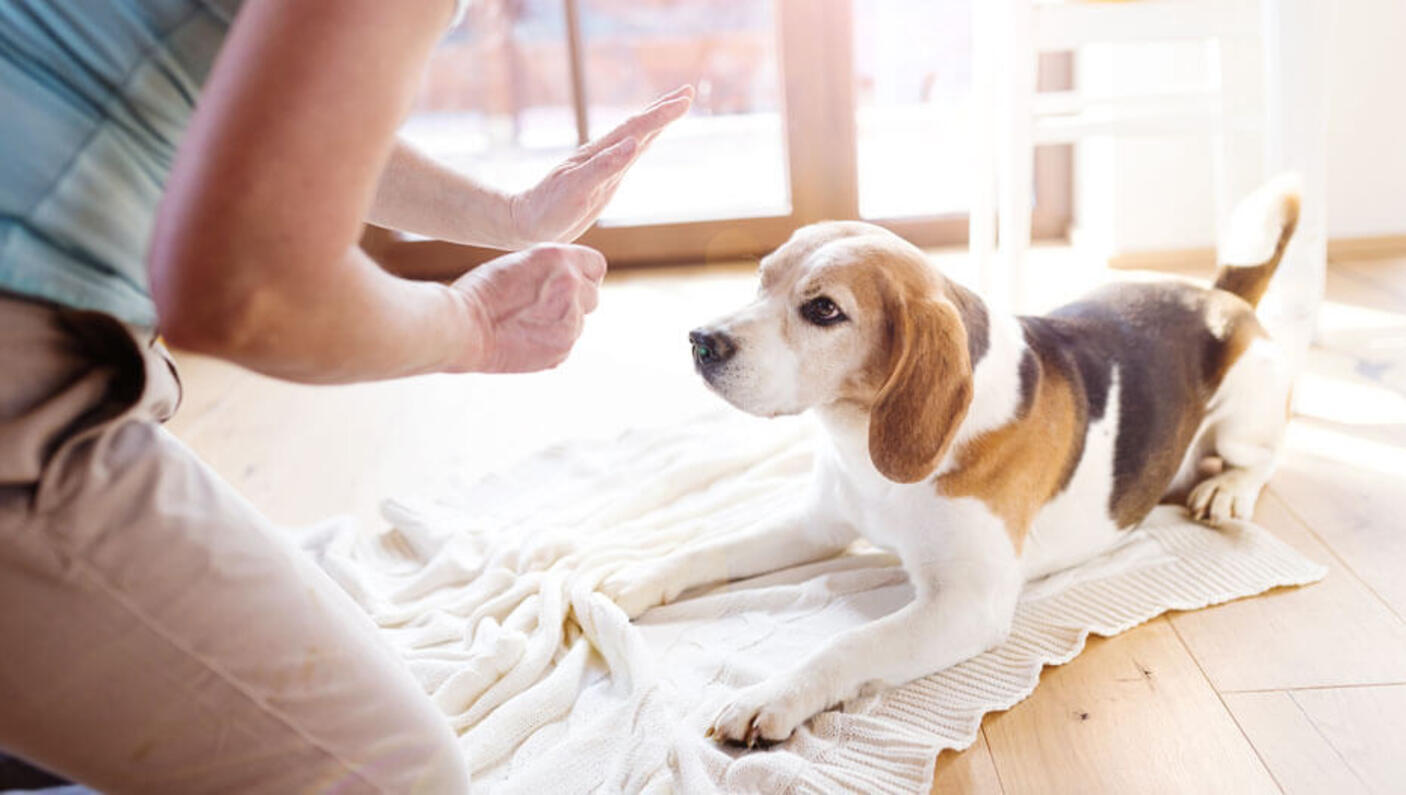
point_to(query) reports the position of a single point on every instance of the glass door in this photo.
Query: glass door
(805, 110)
(727, 158)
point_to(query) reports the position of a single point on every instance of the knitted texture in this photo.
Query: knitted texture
(488, 591)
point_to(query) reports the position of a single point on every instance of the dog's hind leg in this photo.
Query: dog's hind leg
(1246, 430)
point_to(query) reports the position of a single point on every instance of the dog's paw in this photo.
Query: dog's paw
(767, 712)
(639, 587)
(1230, 495)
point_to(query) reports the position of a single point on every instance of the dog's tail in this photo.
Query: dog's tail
(1260, 228)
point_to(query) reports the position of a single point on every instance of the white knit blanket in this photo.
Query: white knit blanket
(488, 592)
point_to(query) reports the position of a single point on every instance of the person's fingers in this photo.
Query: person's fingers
(660, 116)
(675, 110)
(606, 191)
(641, 124)
(557, 298)
(592, 174)
(574, 323)
(679, 98)
(602, 173)
(607, 164)
(590, 298)
(594, 184)
(644, 142)
(591, 263)
(647, 137)
(683, 91)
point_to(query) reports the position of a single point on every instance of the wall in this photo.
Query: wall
(1150, 194)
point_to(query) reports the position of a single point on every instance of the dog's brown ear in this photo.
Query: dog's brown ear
(927, 393)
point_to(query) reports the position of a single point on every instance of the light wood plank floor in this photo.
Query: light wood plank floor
(1299, 690)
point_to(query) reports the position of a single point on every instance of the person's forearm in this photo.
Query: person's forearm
(363, 325)
(416, 193)
(249, 255)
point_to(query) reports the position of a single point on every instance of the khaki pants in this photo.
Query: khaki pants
(156, 632)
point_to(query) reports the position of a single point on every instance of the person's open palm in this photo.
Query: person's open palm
(569, 199)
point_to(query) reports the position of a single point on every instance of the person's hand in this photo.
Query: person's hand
(569, 199)
(528, 307)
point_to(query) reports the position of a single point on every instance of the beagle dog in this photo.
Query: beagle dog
(985, 450)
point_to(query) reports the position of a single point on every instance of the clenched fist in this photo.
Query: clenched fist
(529, 307)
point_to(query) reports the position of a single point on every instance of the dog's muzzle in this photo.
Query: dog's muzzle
(710, 348)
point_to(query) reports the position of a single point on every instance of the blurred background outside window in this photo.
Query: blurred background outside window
(912, 62)
(498, 102)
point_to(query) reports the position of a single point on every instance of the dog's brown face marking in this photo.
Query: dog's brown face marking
(915, 335)
(917, 380)
(900, 352)
(784, 360)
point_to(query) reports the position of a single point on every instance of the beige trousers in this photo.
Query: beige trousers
(157, 634)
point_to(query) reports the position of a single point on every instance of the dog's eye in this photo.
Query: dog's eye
(822, 311)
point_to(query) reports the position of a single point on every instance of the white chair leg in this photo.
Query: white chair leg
(1296, 35)
(1015, 154)
(1238, 154)
(981, 223)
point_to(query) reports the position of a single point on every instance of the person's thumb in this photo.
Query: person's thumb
(591, 263)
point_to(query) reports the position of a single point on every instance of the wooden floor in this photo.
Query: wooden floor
(1299, 690)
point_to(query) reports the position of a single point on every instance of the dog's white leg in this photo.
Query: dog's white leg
(785, 541)
(964, 605)
(1252, 405)
(1233, 493)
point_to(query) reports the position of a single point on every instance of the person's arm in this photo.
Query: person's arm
(418, 194)
(253, 258)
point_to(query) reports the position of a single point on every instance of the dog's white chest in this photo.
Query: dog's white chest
(910, 519)
(882, 511)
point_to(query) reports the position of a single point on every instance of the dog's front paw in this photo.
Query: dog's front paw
(1230, 495)
(639, 587)
(767, 712)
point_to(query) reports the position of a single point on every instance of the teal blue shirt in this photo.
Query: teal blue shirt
(94, 97)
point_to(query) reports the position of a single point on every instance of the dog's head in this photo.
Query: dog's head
(849, 313)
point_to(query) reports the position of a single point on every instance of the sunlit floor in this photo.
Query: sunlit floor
(1300, 690)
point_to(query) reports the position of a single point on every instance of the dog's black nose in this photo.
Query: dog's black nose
(711, 348)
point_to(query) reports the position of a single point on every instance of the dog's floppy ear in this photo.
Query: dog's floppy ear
(927, 391)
